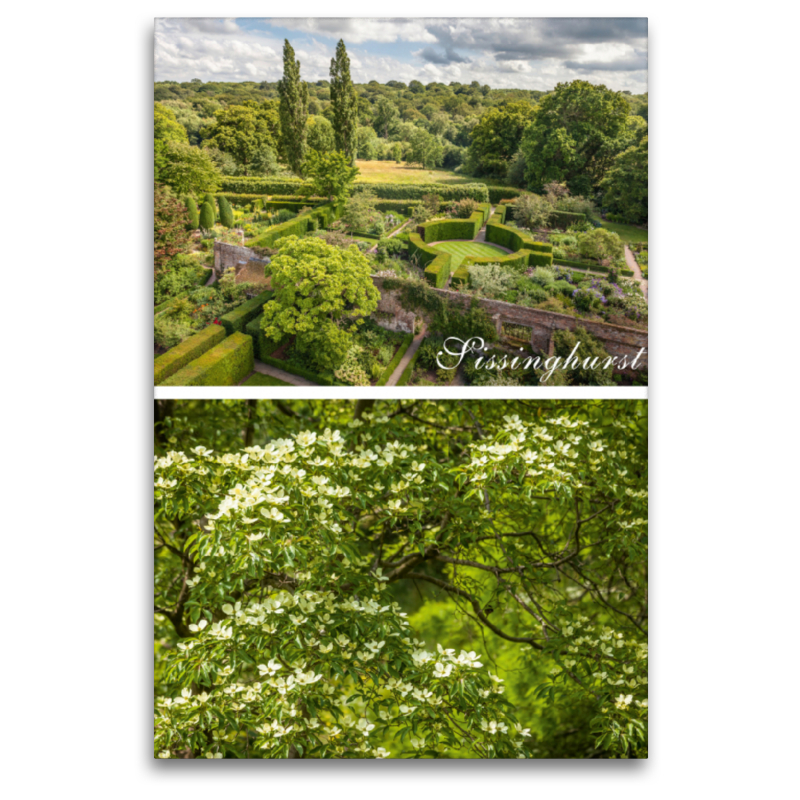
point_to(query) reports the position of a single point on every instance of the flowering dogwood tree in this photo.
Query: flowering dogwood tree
(277, 564)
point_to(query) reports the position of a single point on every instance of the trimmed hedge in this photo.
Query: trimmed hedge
(425, 254)
(499, 193)
(187, 351)
(438, 271)
(407, 372)
(226, 364)
(539, 254)
(262, 346)
(518, 259)
(563, 219)
(439, 230)
(398, 356)
(585, 266)
(401, 206)
(460, 276)
(236, 320)
(385, 191)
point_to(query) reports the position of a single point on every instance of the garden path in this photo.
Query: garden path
(637, 272)
(481, 237)
(409, 354)
(212, 278)
(393, 233)
(268, 369)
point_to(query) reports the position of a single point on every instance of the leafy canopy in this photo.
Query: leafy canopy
(287, 564)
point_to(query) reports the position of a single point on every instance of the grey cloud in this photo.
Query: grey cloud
(634, 64)
(449, 56)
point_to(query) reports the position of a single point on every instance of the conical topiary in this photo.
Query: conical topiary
(194, 218)
(206, 216)
(225, 212)
(212, 201)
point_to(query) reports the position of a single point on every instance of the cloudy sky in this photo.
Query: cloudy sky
(521, 53)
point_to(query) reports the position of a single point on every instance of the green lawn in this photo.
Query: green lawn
(460, 250)
(628, 233)
(392, 172)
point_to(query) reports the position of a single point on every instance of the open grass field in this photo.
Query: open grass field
(460, 250)
(628, 233)
(392, 172)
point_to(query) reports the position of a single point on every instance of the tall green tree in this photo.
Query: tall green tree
(384, 114)
(293, 111)
(495, 139)
(320, 134)
(625, 184)
(166, 129)
(194, 215)
(321, 294)
(574, 137)
(244, 130)
(330, 174)
(189, 169)
(344, 101)
(426, 149)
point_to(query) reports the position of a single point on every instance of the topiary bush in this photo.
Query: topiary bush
(206, 216)
(194, 216)
(225, 213)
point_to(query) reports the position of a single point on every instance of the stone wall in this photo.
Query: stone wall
(231, 255)
(391, 315)
(616, 339)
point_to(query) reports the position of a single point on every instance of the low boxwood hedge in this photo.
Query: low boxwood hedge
(237, 319)
(392, 365)
(225, 364)
(187, 351)
(439, 230)
(425, 254)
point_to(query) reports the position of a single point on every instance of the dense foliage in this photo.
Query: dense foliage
(452, 579)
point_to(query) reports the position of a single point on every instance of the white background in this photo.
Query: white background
(77, 670)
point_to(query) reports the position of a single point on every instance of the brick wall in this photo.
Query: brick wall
(616, 339)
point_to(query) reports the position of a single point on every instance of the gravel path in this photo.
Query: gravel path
(637, 272)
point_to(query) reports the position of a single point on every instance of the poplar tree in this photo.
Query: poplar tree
(345, 104)
(293, 110)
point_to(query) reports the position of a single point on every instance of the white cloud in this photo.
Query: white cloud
(503, 53)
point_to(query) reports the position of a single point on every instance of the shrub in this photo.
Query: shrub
(186, 352)
(236, 320)
(491, 279)
(464, 209)
(439, 230)
(460, 276)
(601, 244)
(565, 219)
(226, 364)
(283, 215)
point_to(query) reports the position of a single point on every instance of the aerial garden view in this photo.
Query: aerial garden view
(330, 232)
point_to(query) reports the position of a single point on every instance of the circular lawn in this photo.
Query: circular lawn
(460, 250)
